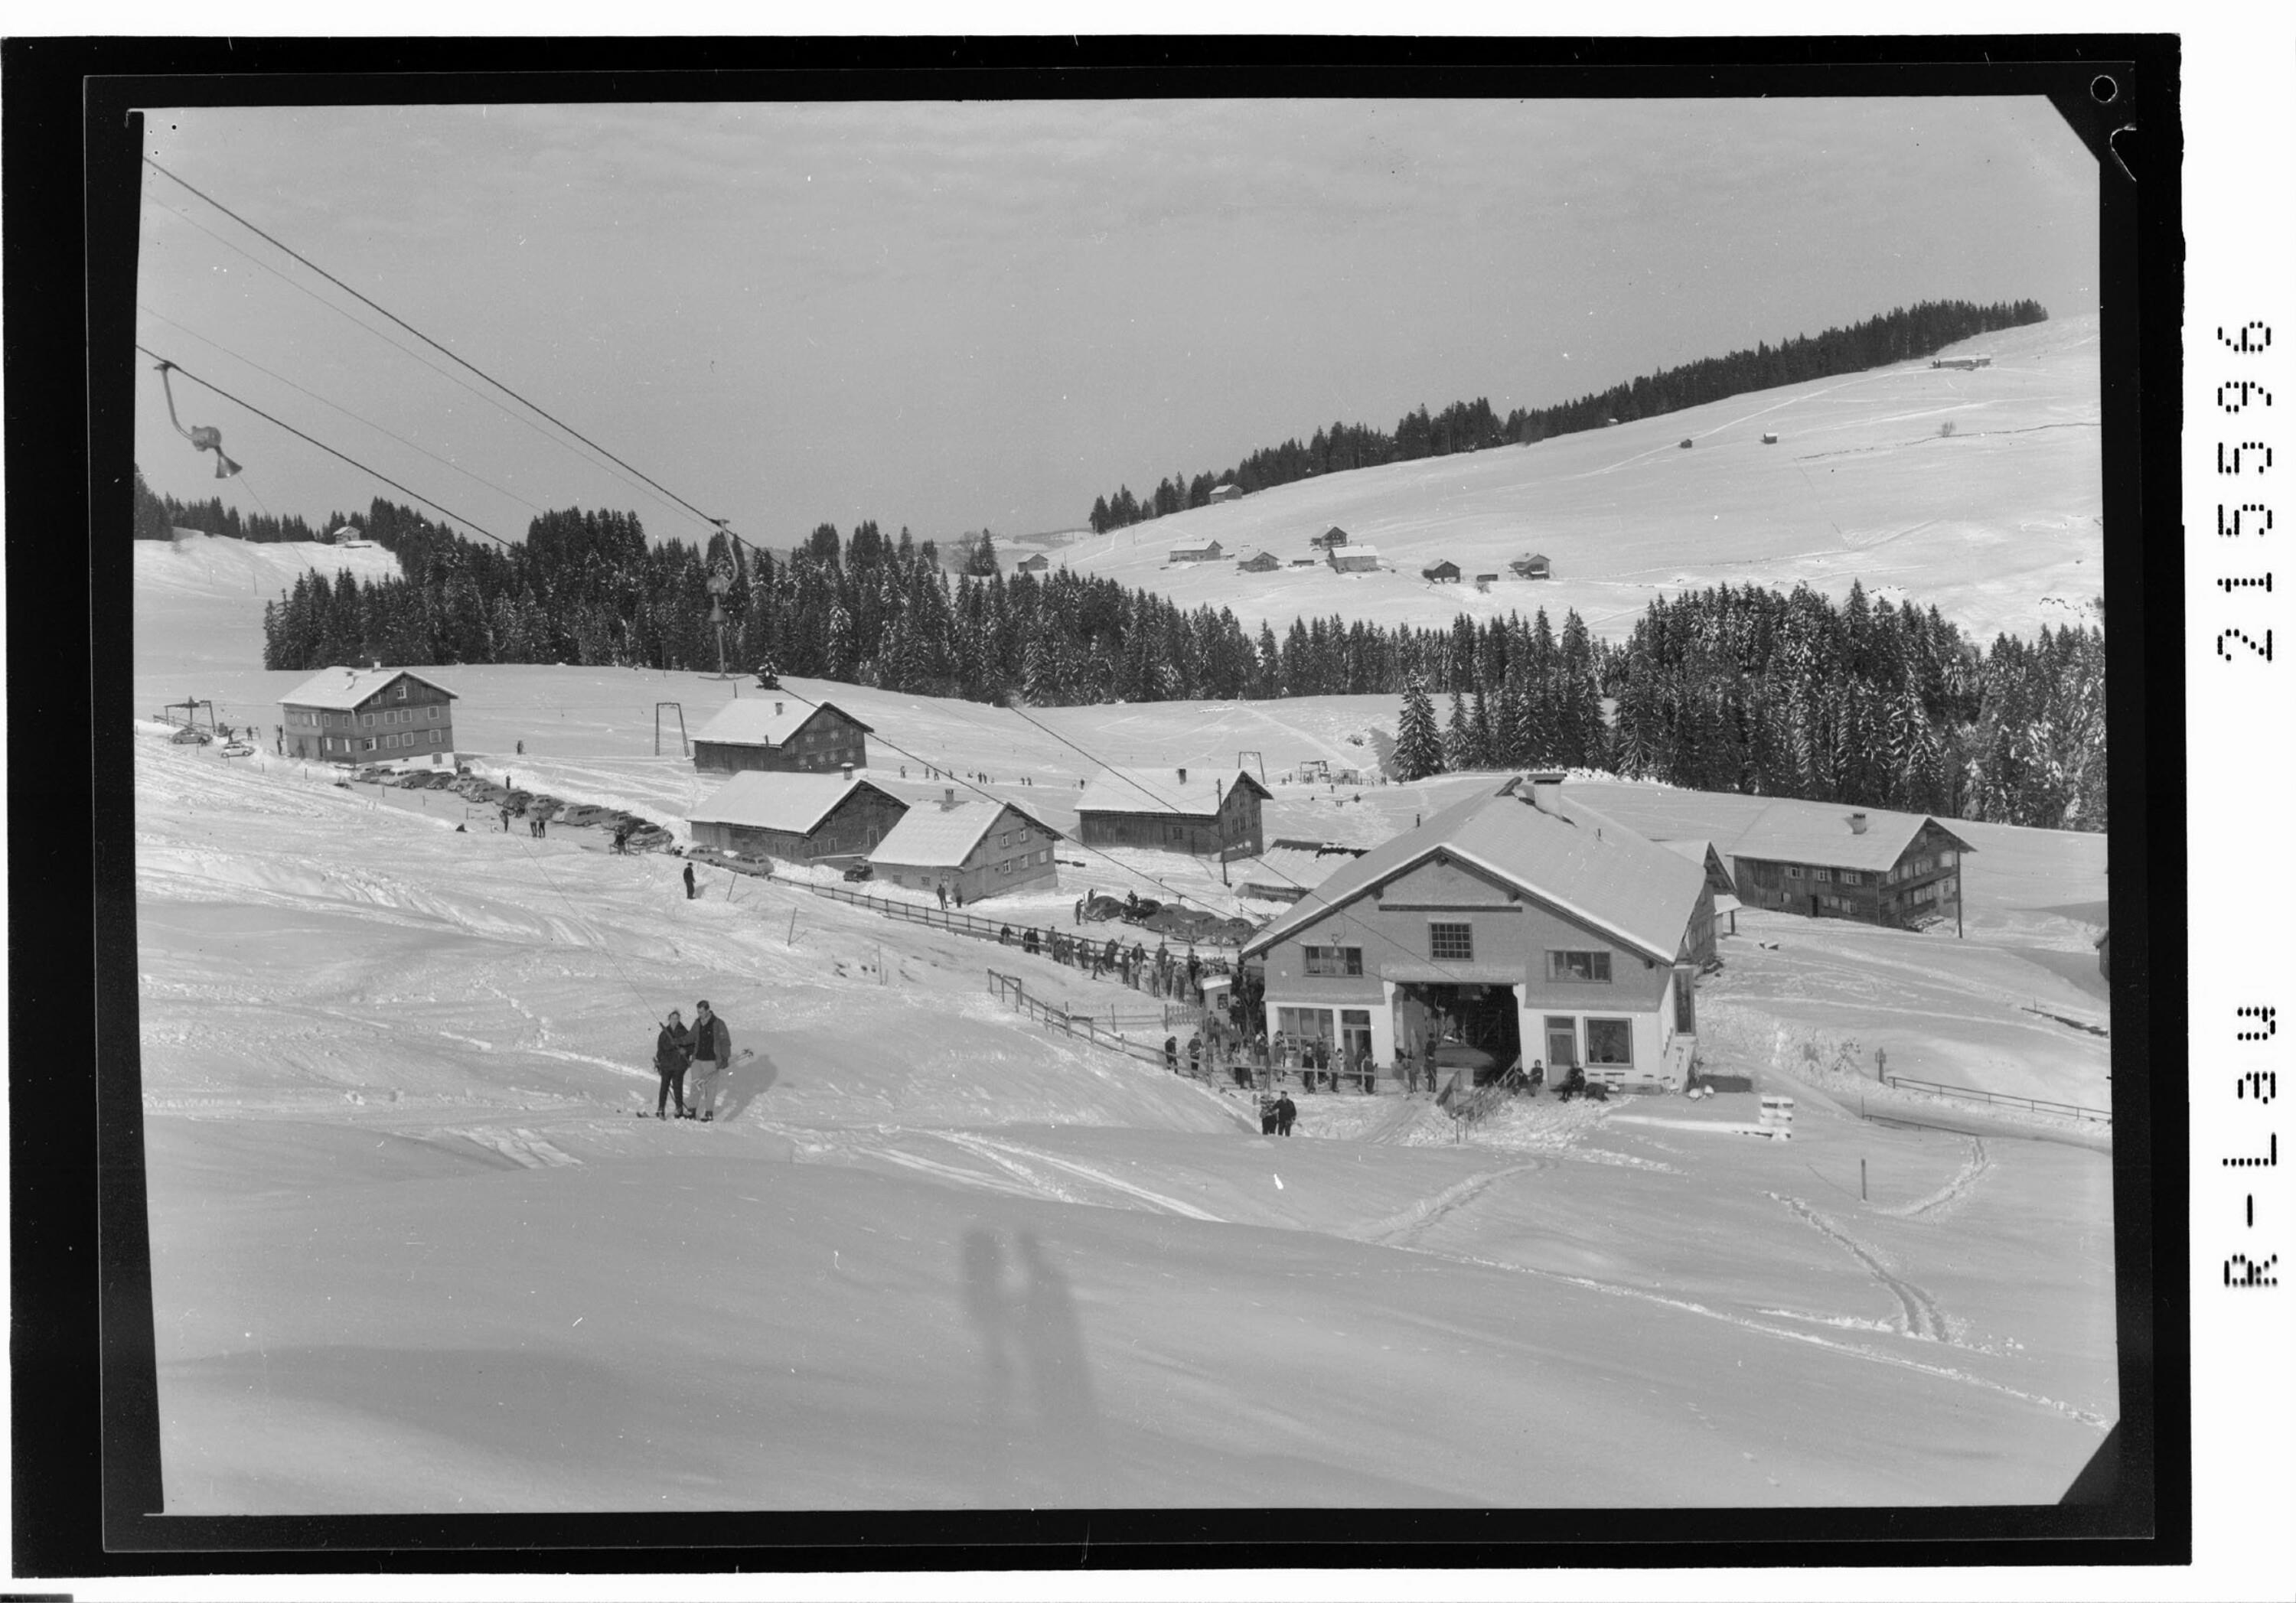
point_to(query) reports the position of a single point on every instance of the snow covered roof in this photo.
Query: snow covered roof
(933, 837)
(766, 720)
(342, 690)
(1163, 791)
(1821, 832)
(795, 803)
(1586, 865)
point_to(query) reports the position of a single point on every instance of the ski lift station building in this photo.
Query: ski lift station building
(1203, 812)
(979, 849)
(1525, 924)
(376, 714)
(774, 734)
(797, 817)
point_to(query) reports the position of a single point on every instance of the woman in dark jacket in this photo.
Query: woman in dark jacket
(673, 1049)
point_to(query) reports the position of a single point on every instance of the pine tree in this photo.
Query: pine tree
(1458, 736)
(1418, 747)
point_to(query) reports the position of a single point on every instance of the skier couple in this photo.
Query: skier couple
(706, 1048)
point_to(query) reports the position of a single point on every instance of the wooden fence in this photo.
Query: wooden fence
(1967, 1093)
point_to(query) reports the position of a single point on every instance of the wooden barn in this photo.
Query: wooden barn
(1207, 551)
(977, 849)
(1331, 537)
(773, 734)
(797, 817)
(376, 714)
(1036, 564)
(1265, 561)
(1831, 862)
(1203, 812)
(1440, 572)
(1532, 567)
(1353, 559)
(1515, 922)
(1225, 492)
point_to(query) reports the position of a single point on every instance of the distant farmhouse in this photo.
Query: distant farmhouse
(1352, 558)
(1964, 363)
(977, 849)
(1216, 813)
(1878, 868)
(1036, 564)
(376, 714)
(1333, 536)
(797, 817)
(1308, 563)
(1225, 492)
(1532, 567)
(1208, 550)
(772, 735)
(1440, 572)
(1265, 561)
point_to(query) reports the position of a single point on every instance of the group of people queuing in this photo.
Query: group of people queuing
(1162, 973)
(705, 1048)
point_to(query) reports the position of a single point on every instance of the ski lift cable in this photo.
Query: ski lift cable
(426, 338)
(322, 445)
(520, 419)
(347, 412)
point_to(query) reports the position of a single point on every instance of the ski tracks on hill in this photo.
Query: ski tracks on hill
(1923, 1319)
(1407, 1225)
(1027, 1163)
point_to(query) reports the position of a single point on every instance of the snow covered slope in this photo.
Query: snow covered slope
(1999, 525)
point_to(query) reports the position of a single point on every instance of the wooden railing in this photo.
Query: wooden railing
(2100, 1115)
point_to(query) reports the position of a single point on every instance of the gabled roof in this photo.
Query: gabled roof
(1439, 564)
(1340, 555)
(1818, 833)
(1590, 867)
(340, 689)
(930, 836)
(751, 721)
(1700, 851)
(1161, 790)
(795, 803)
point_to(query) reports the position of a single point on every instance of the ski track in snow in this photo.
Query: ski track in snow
(1953, 1193)
(1923, 1320)
(1408, 1224)
(998, 1151)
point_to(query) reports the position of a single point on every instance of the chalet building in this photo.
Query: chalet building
(1036, 564)
(1265, 561)
(797, 817)
(772, 734)
(1828, 862)
(1523, 924)
(376, 714)
(1532, 567)
(1440, 573)
(1962, 362)
(1225, 492)
(1288, 869)
(1208, 550)
(977, 849)
(1353, 559)
(1330, 538)
(1710, 862)
(1203, 812)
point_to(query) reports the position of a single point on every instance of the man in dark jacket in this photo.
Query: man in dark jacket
(673, 1049)
(713, 1049)
(689, 882)
(1286, 1111)
(1172, 1053)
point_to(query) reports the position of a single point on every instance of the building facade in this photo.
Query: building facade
(976, 849)
(1214, 813)
(1353, 559)
(1523, 925)
(1208, 550)
(771, 734)
(1896, 869)
(1440, 573)
(797, 817)
(374, 715)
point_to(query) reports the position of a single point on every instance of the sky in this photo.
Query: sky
(952, 316)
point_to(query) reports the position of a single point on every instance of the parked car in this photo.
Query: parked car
(859, 871)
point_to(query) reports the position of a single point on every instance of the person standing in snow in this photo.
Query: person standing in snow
(689, 882)
(713, 1049)
(1286, 1111)
(1172, 1054)
(1195, 1056)
(941, 890)
(673, 1049)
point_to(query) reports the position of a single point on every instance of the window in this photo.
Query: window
(1947, 859)
(402, 690)
(1334, 961)
(1793, 871)
(367, 744)
(1824, 875)
(1451, 943)
(1584, 965)
(1610, 1040)
(366, 720)
(434, 714)
(1851, 875)
(437, 738)
(1304, 1024)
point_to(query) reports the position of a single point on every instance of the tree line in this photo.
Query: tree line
(1897, 335)
(158, 516)
(1740, 689)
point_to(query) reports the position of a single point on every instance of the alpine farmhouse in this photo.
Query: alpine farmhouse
(797, 817)
(1216, 813)
(376, 714)
(1525, 924)
(774, 735)
(976, 848)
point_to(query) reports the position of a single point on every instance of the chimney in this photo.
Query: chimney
(378, 662)
(777, 709)
(847, 769)
(1546, 789)
(1858, 823)
(947, 797)
(1183, 776)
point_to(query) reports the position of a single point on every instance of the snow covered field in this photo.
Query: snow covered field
(1999, 525)
(411, 1252)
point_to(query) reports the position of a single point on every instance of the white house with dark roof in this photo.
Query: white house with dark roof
(778, 733)
(978, 849)
(1525, 924)
(798, 817)
(1214, 812)
(376, 714)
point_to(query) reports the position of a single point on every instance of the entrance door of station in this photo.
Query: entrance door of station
(1562, 1045)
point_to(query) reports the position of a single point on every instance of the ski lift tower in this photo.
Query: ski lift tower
(720, 582)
